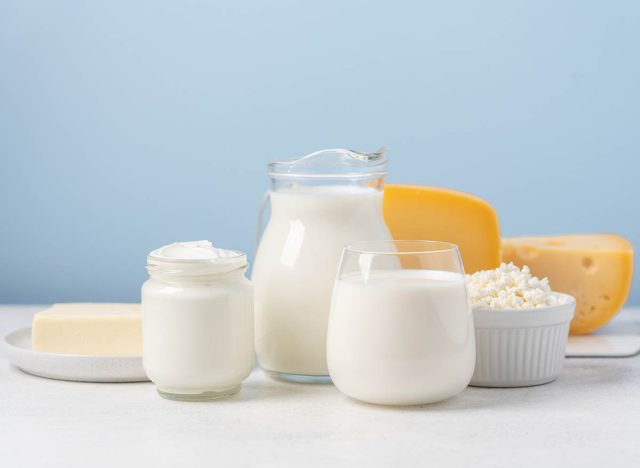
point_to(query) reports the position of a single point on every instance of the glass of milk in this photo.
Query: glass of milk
(401, 328)
(318, 204)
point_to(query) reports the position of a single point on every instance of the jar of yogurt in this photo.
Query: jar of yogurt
(319, 203)
(197, 321)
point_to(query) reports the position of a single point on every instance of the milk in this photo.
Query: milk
(295, 269)
(401, 337)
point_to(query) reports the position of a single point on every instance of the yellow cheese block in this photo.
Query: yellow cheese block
(430, 213)
(596, 269)
(89, 329)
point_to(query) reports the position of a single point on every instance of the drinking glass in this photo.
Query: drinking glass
(400, 325)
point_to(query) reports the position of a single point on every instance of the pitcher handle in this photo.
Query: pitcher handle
(263, 206)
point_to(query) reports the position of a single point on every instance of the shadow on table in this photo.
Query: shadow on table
(463, 401)
(269, 388)
(579, 376)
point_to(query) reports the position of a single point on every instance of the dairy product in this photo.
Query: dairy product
(89, 329)
(197, 321)
(295, 269)
(401, 337)
(431, 213)
(509, 287)
(193, 250)
(596, 269)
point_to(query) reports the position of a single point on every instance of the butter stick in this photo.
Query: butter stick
(89, 329)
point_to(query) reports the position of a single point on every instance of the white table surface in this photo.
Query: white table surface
(589, 417)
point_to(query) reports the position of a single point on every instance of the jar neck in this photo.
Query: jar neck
(175, 279)
(196, 271)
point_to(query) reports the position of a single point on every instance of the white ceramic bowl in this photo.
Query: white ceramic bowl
(521, 348)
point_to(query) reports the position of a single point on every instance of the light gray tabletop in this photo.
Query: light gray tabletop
(589, 417)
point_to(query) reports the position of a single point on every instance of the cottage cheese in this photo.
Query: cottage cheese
(509, 287)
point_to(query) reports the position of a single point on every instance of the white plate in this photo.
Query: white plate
(620, 338)
(71, 366)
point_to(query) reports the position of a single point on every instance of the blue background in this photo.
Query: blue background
(128, 125)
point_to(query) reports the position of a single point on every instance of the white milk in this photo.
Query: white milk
(403, 337)
(296, 266)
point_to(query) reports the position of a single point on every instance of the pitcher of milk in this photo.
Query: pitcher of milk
(319, 203)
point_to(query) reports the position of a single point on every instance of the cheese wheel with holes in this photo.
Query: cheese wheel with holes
(596, 269)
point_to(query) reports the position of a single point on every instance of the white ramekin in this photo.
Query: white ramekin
(521, 348)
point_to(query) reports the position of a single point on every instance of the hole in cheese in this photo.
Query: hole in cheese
(588, 264)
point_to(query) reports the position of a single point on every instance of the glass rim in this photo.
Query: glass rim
(359, 247)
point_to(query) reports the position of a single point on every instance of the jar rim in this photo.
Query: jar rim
(194, 268)
(237, 255)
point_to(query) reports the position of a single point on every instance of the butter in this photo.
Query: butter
(89, 329)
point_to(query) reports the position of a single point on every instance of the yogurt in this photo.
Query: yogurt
(197, 321)
(401, 337)
(194, 250)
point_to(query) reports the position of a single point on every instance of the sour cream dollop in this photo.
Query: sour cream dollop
(194, 258)
(192, 250)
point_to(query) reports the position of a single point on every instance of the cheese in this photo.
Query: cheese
(89, 329)
(430, 213)
(596, 269)
(509, 288)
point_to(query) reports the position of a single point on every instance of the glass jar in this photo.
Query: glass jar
(319, 203)
(197, 324)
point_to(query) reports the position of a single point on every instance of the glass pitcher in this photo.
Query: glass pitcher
(319, 203)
